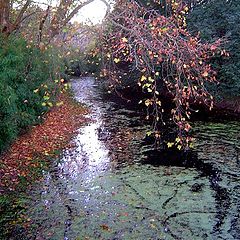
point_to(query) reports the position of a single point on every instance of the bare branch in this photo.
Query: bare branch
(74, 12)
(42, 24)
(20, 15)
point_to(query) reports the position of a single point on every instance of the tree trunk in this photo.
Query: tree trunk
(5, 24)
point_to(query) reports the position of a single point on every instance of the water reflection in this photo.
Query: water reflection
(84, 197)
(89, 156)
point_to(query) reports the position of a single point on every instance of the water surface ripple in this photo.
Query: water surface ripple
(93, 192)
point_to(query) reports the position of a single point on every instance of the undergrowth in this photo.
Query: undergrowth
(26, 73)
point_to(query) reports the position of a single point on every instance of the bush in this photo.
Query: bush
(219, 19)
(23, 69)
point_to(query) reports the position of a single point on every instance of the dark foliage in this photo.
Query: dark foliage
(220, 19)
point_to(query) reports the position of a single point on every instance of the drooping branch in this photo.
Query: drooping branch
(165, 56)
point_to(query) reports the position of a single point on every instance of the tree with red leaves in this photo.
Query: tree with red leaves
(165, 56)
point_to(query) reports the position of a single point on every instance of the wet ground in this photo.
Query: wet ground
(100, 190)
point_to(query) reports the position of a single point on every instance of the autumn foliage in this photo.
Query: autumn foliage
(41, 142)
(165, 56)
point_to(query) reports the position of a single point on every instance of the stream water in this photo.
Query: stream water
(100, 189)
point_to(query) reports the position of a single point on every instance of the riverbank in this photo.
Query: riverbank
(23, 163)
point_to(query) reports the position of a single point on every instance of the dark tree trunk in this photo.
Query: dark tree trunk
(5, 24)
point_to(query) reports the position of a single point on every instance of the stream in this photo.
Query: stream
(100, 189)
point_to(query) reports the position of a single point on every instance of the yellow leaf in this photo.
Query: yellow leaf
(149, 90)
(124, 40)
(50, 104)
(36, 90)
(170, 144)
(59, 103)
(150, 79)
(179, 147)
(143, 78)
(177, 139)
(149, 133)
(147, 102)
(116, 60)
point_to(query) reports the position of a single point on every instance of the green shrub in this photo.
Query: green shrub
(23, 69)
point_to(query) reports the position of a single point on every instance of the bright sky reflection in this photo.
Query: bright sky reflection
(89, 156)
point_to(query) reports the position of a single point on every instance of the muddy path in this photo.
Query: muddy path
(100, 189)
